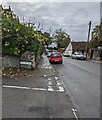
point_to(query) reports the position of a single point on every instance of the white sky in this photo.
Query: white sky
(73, 17)
(50, 1)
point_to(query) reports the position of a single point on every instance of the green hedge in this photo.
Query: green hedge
(18, 38)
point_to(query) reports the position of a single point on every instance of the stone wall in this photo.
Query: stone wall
(19, 62)
(14, 62)
(9, 61)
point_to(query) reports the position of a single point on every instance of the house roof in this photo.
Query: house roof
(79, 42)
(6, 8)
(79, 46)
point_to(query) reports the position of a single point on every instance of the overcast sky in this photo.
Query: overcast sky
(73, 17)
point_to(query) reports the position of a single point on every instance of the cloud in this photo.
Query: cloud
(70, 16)
(50, 1)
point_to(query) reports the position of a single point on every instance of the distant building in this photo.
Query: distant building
(53, 45)
(76, 46)
(7, 11)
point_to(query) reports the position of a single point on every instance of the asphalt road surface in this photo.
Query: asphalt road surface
(35, 94)
(82, 81)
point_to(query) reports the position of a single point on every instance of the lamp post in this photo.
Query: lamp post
(87, 45)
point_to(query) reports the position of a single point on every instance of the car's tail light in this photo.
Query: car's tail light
(60, 56)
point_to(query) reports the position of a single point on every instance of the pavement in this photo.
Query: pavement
(35, 94)
(0, 97)
(96, 60)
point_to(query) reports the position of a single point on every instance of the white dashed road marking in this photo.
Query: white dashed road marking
(41, 89)
(50, 88)
(60, 85)
(49, 83)
(59, 82)
(74, 112)
(17, 87)
(26, 88)
(60, 89)
(56, 78)
(49, 78)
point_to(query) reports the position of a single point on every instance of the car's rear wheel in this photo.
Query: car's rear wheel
(61, 62)
(76, 58)
(50, 61)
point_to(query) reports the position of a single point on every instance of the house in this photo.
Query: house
(96, 53)
(76, 46)
(8, 12)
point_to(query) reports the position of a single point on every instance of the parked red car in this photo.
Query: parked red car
(56, 58)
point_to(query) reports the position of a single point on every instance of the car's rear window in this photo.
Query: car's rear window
(56, 55)
(79, 53)
(66, 52)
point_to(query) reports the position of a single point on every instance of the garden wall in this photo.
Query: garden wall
(10, 61)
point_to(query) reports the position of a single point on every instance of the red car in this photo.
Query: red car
(56, 58)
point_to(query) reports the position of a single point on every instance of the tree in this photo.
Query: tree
(96, 37)
(48, 39)
(17, 38)
(61, 38)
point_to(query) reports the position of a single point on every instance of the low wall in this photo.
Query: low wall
(14, 62)
(9, 61)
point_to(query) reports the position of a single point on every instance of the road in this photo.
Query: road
(35, 94)
(82, 81)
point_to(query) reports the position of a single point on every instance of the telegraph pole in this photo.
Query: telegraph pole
(87, 46)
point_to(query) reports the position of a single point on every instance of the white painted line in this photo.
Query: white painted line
(49, 78)
(60, 89)
(17, 87)
(45, 75)
(50, 88)
(56, 78)
(59, 82)
(50, 67)
(74, 112)
(39, 89)
(49, 82)
(26, 88)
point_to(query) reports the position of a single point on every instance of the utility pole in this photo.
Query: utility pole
(87, 46)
